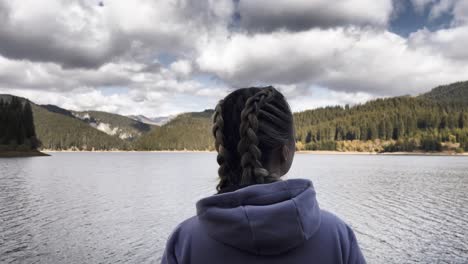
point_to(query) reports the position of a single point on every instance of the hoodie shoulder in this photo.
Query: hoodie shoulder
(178, 245)
(343, 236)
(331, 220)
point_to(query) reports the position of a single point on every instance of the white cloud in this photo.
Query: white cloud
(154, 103)
(85, 34)
(421, 5)
(155, 93)
(160, 57)
(457, 8)
(343, 59)
(182, 67)
(315, 97)
(450, 43)
(440, 8)
(460, 11)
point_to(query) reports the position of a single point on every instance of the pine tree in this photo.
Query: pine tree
(17, 125)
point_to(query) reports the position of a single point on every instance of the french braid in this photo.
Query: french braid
(252, 168)
(249, 125)
(218, 126)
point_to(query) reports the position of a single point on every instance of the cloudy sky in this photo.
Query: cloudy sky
(161, 57)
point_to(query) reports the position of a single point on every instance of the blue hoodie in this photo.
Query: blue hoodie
(279, 222)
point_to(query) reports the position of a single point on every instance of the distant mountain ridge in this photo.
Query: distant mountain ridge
(113, 124)
(435, 120)
(58, 110)
(157, 121)
(187, 131)
(455, 92)
(59, 131)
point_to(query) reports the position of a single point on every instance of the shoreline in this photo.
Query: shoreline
(316, 152)
(329, 152)
(129, 151)
(22, 154)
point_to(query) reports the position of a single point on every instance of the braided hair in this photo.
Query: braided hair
(248, 125)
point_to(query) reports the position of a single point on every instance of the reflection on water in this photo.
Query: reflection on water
(121, 207)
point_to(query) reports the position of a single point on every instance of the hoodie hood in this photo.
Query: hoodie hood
(263, 219)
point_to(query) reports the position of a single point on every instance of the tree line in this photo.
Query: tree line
(435, 121)
(17, 131)
(402, 123)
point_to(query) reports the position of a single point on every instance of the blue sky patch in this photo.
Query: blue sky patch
(407, 19)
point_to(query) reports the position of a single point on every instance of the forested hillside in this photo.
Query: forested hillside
(452, 93)
(17, 131)
(435, 121)
(58, 131)
(189, 131)
(394, 124)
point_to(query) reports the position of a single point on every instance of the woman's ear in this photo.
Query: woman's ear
(287, 155)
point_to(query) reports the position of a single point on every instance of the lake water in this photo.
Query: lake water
(121, 207)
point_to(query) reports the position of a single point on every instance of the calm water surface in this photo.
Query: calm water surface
(121, 207)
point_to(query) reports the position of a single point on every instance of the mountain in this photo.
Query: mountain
(455, 92)
(61, 129)
(113, 124)
(157, 121)
(434, 121)
(58, 110)
(190, 131)
(58, 131)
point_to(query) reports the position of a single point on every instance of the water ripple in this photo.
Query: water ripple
(121, 207)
